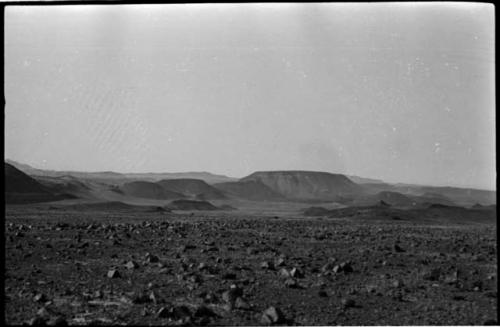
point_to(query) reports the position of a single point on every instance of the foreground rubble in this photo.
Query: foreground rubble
(99, 268)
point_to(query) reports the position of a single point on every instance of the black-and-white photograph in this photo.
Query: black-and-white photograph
(250, 164)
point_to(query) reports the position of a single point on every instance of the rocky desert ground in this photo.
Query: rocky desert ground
(204, 268)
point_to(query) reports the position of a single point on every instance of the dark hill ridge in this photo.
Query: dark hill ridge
(149, 190)
(306, 185)
(192, 187)
(18, 182)
(21, 188)
(250, 190)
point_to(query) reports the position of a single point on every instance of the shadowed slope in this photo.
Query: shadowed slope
(192, 187)
(149, 190)
(21, 188)
(250, 190)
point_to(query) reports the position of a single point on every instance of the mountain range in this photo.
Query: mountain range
(25, 184)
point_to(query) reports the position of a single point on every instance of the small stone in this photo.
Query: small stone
(397, 248)
(241, 304)
(57, 321)
(163, 312)
(153, 297)
(284, 273)
(397, 283)
(432, 274)
(43, 313)
(451, 279)
(39, 298)
(322, 293)
(370, 288)
(271, 316)
(203, 311)
(152, 258)
(229, 275)
(181, 312)
(279, 262)
(113, 273)
(296, 273)
(348, 303)
(132, 265)
(251, 251)
(346, 267)
(291, 283)
(36, 321)
(232, 294)
(267, 265)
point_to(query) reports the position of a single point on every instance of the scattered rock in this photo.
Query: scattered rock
(36, 321)
(175, 312)
(284, 273)
(39, 298)
(113, 273)
(132, 265)
(272, 316)
(279, 262)
(229, 275)
(432, 274)
(231, 295)
(397, 248)
(322, 293)
(57, 321)
(291, 283)
(241, 304)
(267, 265)
(348, 303)
(152, 258)
(204, 311)
(296, 273)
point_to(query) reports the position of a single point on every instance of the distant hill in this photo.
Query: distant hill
(66, 185)
(192, 187)
(436, 194)
(113, 177)
(149, 190)
(250, 190)
(21, 188)
(306, 185)
(303, 186)
(394, 199)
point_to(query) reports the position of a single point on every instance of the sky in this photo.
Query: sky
(400, 92)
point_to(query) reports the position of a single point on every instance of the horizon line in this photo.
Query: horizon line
(238, 178)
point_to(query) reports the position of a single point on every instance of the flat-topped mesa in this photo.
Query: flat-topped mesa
(306, 185)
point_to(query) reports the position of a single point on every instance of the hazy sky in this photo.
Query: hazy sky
(401, 92)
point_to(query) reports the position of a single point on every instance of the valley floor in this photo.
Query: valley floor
(222, 269)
